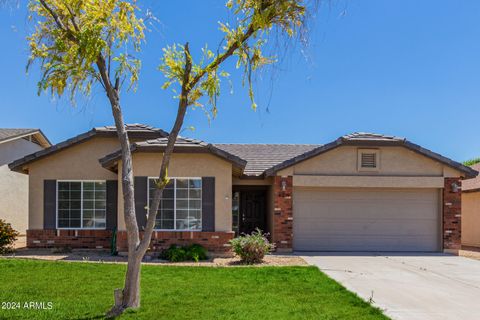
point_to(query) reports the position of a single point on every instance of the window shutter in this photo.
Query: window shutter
(208, 204)
(141, 189)
(112, 201)
(49, 204)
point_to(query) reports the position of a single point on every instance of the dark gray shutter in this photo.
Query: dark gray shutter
(49, 204)
(141, 189)
(208, 204)
(112, 200)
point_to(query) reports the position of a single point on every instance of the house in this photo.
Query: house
(16, 143)
(471, 212)
(361, 192)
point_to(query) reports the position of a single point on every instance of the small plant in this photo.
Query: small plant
(194, 252)
(7, 237)
(252, 248)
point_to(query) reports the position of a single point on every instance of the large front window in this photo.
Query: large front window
(81, 204)
(181, 204)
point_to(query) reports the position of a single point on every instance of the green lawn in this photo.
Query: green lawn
(84, 291)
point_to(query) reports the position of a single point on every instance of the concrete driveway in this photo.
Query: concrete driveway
(408, 286)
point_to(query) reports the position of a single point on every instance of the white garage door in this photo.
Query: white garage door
(366, 220)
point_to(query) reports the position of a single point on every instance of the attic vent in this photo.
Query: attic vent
(368, 159)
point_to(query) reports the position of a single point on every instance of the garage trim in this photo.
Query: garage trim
(367, 181)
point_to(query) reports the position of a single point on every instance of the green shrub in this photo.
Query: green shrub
(251, 248)
(194, 252)
(7, 237)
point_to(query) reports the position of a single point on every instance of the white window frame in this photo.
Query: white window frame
(359, 160)
(81, 206)
(175, 204)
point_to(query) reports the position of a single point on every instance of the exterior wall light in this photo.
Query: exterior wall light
(284, 185)
(455, 187)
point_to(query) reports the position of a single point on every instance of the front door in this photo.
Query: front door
(252, 211)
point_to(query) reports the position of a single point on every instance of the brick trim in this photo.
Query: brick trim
(216, 242)
(282, 235)
(452, 214)
(76, 239)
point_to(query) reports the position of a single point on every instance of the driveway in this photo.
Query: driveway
(408, 286)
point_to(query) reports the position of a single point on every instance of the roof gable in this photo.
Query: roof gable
(10, 134)
(135, 131)
(371, 139)
(182, 144)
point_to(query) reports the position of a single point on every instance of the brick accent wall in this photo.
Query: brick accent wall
(76, 239)
(216, 242)
(452, 215)
(282, 234)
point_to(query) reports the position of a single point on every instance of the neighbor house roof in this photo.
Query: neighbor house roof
(372, 139)
(10, 134)
(135, 131)
(470, 185)
(261, 157)
(182, 144)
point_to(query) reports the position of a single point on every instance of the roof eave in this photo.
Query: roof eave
(467, 171)
(109, 160)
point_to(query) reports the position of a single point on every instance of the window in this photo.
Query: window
(181, 204)
(368, 160)
(81, 204)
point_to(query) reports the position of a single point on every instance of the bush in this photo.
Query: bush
(194, 252)
(7, 237)
(251, 248)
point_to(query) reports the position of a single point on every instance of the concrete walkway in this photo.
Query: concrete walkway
(408, 286)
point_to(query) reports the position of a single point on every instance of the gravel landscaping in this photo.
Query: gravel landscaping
(106, 257)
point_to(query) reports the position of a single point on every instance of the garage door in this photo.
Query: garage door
(366, 220)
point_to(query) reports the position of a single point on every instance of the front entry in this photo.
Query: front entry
(251, 211)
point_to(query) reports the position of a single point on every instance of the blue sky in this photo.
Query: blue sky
(401, 67)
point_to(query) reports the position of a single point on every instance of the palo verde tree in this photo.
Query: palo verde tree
(82, 43)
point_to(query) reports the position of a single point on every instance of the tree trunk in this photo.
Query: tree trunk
(129, 297)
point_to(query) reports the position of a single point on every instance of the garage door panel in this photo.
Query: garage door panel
(348, 227)
(366, 220)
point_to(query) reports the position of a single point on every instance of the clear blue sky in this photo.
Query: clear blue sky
(402, 67)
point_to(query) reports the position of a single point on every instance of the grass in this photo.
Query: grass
(84, 291)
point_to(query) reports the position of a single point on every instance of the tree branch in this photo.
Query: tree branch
(72, 17)
(59, 22)
(215, 63)
(172, 138)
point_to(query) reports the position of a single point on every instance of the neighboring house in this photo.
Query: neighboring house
(16, 143)
(361, 192)
(471, 212)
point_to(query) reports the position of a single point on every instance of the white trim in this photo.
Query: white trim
(19, 137)
(175, 203)
(81, 204)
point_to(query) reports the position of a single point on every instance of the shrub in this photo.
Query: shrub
(251, 248)
(7, 237)
(194, 252)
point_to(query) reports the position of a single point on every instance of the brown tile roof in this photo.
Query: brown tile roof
(182, 144)
(472, 184)
(261, 157)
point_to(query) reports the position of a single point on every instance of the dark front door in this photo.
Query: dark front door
(252, 211)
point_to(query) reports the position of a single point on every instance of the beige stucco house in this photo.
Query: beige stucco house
(16, 143)
(361, 192)
(471, 212)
